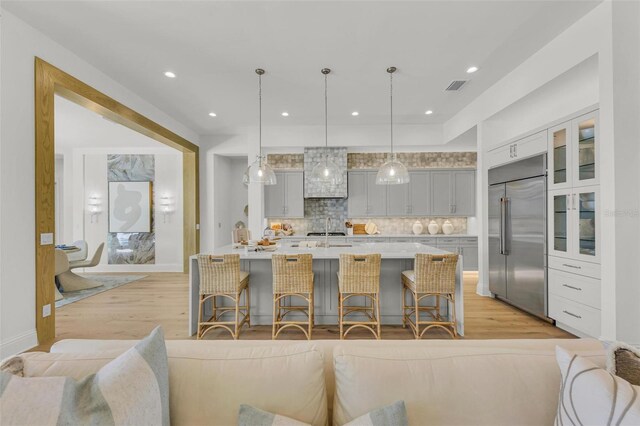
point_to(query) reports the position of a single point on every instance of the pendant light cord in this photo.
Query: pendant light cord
(391, 108)
(260, 118)
(326, 126)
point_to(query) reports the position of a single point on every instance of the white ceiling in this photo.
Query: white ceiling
(78, 127)
(214, 46)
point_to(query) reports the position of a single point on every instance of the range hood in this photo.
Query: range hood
(321, 190)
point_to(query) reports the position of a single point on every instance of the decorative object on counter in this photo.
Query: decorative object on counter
(349, 227)
(259, 172)
(392, 172)
(371, 228)
(417, 228)
(268, 232)
(240, 235)
(359, 229)
(433, 227)
(240, 225)
(246, 210)
(447, 228)
(326, 171)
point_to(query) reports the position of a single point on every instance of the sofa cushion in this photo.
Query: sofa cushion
(251, 416)
(458, 384)
(209, 382)
(592, 396)
(130, 389)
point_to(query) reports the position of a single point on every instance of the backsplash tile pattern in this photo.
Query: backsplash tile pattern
(316, 211)
(357, 160)
(312, 188)
(372, 160)
(286, 161)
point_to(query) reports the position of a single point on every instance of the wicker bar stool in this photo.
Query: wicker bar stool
(359, 275)
(292, 277)
(220, 276)
(433, 275)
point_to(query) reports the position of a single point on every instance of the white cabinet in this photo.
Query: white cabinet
(574, 223)
(523, 148)
(573, 152)
(285, 199)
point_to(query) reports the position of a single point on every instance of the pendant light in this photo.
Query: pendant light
(326, 171)
(393, 172)
(259, 171)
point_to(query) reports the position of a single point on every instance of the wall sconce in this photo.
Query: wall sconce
(166, 206)
(94, 206)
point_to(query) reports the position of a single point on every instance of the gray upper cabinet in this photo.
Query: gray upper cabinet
(376, 196)
(365, 197)
(419, 193)
(453, 193)
(285, 199)
(464, 192)
(411, 199)
(441, 193)
(357, 201)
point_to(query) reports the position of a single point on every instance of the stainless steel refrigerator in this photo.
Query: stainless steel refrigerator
(517, 234)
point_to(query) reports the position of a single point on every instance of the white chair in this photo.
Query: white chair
(67, 279)
(79, 255)
(95, 260)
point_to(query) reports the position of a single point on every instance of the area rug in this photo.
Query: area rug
(108, 282)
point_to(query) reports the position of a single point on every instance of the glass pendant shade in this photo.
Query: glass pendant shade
(392, 172)
(327, 172)
(259, 172)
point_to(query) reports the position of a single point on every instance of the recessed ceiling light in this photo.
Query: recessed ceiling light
(170, 74)
(285, 114)
(355, 113)
(471, 70)
(429, 112)
(212, 114)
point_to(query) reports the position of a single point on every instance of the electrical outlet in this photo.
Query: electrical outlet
(46, 239)
(46, 310)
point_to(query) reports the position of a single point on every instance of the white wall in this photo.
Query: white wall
(20, 44)
(89, 178)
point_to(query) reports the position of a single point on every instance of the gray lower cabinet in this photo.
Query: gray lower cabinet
(465, 246)
(366, 199)
(285, 199)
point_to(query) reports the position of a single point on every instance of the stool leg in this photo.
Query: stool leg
(378, 314)
(247, 296)
(404, 307)
(198, 335)
(340, 301)
(453, 316)
(310, 314)
(273, 323)
(237, 329)
(417, 307)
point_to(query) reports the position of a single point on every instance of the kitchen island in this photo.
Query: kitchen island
(396, 257)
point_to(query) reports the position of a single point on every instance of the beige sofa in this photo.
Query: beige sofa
(463, 382)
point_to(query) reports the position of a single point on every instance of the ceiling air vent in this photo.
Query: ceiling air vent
(456, 85)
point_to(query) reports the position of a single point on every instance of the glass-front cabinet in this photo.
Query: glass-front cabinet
(574, 223)
(573, 149)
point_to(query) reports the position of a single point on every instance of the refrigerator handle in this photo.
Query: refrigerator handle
(503, 225)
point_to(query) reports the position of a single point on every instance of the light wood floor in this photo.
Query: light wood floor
(132, 310)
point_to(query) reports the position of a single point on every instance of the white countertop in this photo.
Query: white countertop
(387, 250)
(384, 236)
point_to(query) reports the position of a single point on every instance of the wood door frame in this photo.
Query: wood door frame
(51, 81)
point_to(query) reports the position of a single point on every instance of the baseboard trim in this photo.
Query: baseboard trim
(482, 291)
(18, 344)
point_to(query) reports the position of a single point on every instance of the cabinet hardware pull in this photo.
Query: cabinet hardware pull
(572, 287)
(572, 314)
(571, 266)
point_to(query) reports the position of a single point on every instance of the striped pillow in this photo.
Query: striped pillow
(251, 416)
(589, 395)
(391, 415)
(133, 389)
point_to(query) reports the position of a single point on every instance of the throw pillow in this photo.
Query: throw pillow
(251, 416)
(133, 389)
(624, 361)
(391, 415)
(589, 395)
